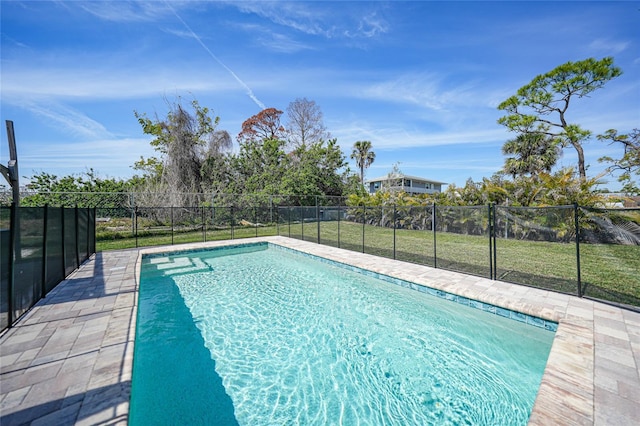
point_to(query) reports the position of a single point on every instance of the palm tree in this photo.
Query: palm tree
(363, 155)
(533, 153)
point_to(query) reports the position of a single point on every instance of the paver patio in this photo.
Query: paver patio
(69, 360)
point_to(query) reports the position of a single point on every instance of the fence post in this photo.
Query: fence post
(133, 214)
(302, 221)
(64, 246)
(495, 244)
(213, 218)
(394, 232)
(289, 219)
(213, 211)
(232, 221)
(255, 218)
(204, 226)
(490, 225)
(318, 218)
(88, 242)
(433, 225)
(364, 219)
(92, 249)
(43, 287)
(135, 224)
(339, 224)
(577, 222)
(12, 257)
(76, 225)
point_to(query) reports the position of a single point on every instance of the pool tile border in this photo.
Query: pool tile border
(193, 250)
(472, 303)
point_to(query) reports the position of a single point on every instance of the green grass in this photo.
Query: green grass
(155, 237)
(608, 272)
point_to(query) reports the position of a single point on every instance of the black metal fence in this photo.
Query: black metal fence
(39, 247)
(118, 228)
(585, 252)
(130, 200)
(570, 249)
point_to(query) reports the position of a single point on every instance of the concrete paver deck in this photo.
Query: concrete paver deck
(69, 360)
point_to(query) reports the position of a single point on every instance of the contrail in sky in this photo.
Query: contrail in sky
(242, 83)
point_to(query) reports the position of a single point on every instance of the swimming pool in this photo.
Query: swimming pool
(263, 335)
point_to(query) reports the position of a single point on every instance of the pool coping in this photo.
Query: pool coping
(69, 360)
(422, 288)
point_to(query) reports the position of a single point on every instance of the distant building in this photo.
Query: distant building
(402, 182)
(631, 202)
(618, 200)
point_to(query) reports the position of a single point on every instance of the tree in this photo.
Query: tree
(629, 163)
(305, 123)
(264, 167)
(394, 180)
(151, 169)
(215, 168)
(184, 140)
(259, 167)
(265, 125)
(84, 190)
(260, 164)
(529, 110)
(363, 155)
(533, 153)
(562, 188)
(318, 168)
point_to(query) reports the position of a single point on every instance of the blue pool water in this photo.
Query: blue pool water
(257, 336)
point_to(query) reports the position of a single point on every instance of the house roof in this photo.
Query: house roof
(401, 176)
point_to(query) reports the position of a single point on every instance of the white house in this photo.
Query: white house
(402, 182)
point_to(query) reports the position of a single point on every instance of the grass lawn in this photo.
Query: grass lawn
(609, 272)
(148, 238)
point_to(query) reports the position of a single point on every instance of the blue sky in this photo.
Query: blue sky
(420, 80)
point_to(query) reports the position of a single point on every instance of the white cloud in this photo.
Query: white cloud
(480, 165)
(14, 42)
(179, 33)
(309, 18)
(265, 36)
(371, 25)
(282, 43)
(389, 138)
(112, 154)
(71, 120)
(297, 16)
(608, 47)
(101, 81)
(125, 11)
(423, 89)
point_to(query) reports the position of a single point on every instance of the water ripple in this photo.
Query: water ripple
(299, 342)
